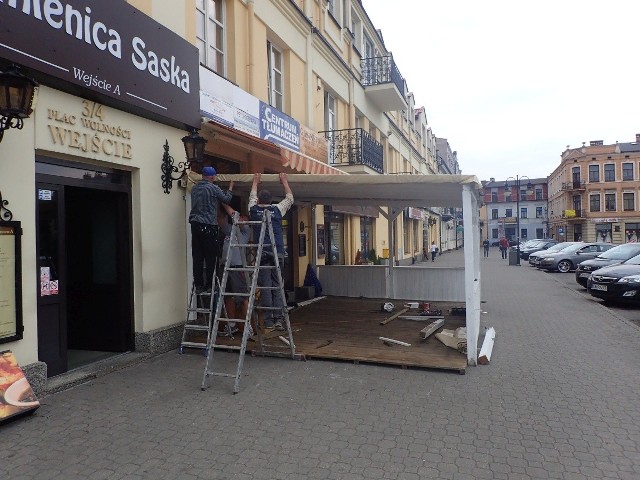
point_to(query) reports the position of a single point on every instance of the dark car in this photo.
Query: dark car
(617, 283)
(567, 259)
(534, 258)
(533, 247)
(611, 257)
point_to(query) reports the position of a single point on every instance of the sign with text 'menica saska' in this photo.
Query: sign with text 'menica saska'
(108, 47)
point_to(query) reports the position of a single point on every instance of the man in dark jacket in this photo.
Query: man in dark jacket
(205, 232)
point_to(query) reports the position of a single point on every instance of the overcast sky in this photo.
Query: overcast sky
(510, 84)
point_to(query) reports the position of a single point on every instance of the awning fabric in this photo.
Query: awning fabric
(305, 164)
(362, 190)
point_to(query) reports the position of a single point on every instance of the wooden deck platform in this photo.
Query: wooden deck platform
(348, 329)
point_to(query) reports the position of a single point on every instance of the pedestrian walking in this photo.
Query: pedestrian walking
(486, 244)
(434, 251)
(504, 246)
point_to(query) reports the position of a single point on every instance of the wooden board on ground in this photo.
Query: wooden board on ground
(394, 316)
(343, 328)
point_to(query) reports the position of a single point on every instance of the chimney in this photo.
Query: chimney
(593, 143)
(492, 179)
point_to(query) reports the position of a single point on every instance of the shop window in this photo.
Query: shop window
(276, 77)
(366, 235)
(632, 232)
(210, 33)
(334, 226)
(603, 232)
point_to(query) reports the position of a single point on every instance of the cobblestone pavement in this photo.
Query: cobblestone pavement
(558, 401)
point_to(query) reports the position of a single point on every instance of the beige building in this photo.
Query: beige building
(594, 193)
(273, 86)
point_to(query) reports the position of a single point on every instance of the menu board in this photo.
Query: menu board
(16, 395)
(10, 308)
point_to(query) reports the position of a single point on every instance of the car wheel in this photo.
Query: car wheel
(564, 266)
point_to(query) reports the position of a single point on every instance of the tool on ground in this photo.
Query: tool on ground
(394, 316)
(265, 240)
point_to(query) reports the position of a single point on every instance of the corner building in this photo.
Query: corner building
(594, 193)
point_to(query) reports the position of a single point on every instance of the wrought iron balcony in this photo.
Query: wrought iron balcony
(575, 185)
(354, 146)
(383, 82)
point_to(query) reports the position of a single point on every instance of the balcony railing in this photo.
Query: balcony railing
(377, 70)
(354, 146)
(575, 185)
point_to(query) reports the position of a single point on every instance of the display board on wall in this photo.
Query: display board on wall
(10, 282)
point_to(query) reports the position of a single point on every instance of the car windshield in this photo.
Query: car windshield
(559, 247)
(632, 261)
(533, 243)
(621, 252)
(573, 248)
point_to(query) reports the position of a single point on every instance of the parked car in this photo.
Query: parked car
(614, 256)
(617, 283)
(567, 259)
(535, 246)
(534, 258)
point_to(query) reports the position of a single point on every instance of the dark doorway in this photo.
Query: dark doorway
(84, 244)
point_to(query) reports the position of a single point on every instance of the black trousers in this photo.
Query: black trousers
(205, 251)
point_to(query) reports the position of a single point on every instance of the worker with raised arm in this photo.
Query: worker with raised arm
(259, 203)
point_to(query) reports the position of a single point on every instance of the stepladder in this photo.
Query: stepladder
(197, 327)
(270, 342)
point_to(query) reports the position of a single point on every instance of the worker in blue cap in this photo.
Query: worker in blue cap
(206, 237)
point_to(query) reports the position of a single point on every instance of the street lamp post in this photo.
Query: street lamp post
(518, 180)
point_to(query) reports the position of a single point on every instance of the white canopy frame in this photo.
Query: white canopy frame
(394, 192)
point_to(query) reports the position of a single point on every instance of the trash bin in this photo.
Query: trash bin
(513, 256)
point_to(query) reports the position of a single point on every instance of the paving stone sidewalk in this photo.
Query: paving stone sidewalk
(558, 401)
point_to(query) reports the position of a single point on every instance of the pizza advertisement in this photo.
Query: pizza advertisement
(16, 395)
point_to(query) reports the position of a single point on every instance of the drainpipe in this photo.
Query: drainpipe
(250, 53)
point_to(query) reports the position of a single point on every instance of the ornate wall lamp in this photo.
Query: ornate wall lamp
(194, 149)
(16, 99)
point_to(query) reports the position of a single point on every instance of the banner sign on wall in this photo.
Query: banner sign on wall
(110, 48)
(279, 128)
(16, 396)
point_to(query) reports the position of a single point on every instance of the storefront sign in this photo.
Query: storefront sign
(604, 220)
(89, 130)
(110, 48)
(415, 213)
(10, 283)
(279, 128)
(314, 145)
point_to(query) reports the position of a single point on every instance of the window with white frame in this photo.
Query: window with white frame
(594, 202)
(610, 202)
(332, 7)
(610, 172)
(330, 111)
(538, 212)
(276, 77)
(628, 201)
(367, 47)
(627, 171)
(523, 212)
(356, 29)
(594, 173)
(210, 34)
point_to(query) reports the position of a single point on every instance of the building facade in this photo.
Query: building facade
(504, 207)
(594, 193)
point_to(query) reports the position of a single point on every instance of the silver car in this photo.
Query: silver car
(535, 258)
(567, 259)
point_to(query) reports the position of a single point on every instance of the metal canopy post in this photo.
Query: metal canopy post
(470, 215)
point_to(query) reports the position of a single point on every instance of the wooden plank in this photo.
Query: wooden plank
(487, 346)
(421, 318)
(394, 316)
(429, 329)
(394, 341)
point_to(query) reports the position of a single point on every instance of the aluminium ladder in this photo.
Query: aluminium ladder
(199, 316)
(266, 228)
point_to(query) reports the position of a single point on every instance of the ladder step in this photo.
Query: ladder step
(226, 347)
(193, 344)
(267, 288)
(258, 307)
(237, 320)
(219, 374)
(199, 310)
(202, 328)
(240, 269)
(231, 294)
